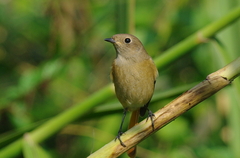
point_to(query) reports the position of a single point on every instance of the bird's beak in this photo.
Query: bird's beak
(110, 40)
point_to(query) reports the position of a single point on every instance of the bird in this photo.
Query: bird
(134, 76)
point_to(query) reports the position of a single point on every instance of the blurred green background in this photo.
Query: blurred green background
(53, 56)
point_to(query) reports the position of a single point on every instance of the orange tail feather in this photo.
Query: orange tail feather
(133, 121)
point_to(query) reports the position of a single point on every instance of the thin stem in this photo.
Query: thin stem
(195, 39)
(131, 16)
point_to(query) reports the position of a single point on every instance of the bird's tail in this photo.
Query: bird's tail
(133, 121)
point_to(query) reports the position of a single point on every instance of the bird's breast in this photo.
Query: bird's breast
(134, 83)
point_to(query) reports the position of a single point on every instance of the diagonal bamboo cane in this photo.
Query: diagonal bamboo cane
(213, 83)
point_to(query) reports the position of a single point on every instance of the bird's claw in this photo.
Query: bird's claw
(118, 137)
(151, 116)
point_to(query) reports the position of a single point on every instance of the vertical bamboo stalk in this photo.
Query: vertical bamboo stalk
(131, 16)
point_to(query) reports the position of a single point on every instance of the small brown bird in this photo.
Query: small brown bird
(134, 75)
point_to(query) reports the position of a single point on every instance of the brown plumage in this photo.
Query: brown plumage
(134, 75)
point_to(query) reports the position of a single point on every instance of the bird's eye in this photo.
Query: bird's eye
(127, 40)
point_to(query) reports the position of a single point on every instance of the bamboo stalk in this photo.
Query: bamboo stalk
(195, 39)
(213, 83)
(131, 17)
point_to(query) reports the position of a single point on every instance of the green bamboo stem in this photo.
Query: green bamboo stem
(195, 39)
(131, 13)
(52, 126)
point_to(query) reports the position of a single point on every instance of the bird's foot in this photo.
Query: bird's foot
(151, 116)
(119, 138)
